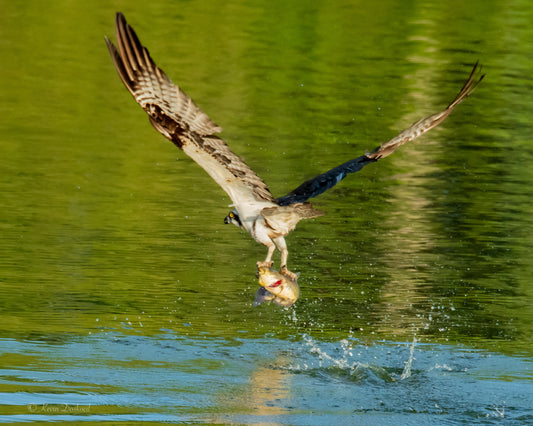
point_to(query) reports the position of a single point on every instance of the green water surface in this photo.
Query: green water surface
(106, 227)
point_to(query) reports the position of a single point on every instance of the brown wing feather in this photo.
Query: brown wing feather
(150, 86)
(422, 126)
(177, 117)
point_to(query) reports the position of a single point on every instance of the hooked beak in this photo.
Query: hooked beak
(227, 220)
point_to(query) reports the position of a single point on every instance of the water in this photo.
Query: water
(296, 381)
(123, 296)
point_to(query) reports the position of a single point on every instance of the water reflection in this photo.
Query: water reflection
(266, 395)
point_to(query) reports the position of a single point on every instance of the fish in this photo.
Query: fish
(276, 287)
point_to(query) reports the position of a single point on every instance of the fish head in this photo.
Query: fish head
(270, 278)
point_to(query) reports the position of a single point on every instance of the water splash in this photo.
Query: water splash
(350, 360)
(342, 362)
(407, 367)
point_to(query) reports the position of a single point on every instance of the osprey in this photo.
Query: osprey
(176, 116)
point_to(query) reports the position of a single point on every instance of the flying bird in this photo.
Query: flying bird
(178, 118)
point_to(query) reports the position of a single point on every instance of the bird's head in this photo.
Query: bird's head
(233, 217)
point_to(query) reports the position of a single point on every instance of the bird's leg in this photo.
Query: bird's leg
(291, 275)
(267, 263)
(282, 247)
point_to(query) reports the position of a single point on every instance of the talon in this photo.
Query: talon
(264, 264)
(291, 275)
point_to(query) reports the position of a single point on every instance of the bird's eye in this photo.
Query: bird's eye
(231, 215)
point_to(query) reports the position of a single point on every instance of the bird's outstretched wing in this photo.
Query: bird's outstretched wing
(176, 116)
(323, 182)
